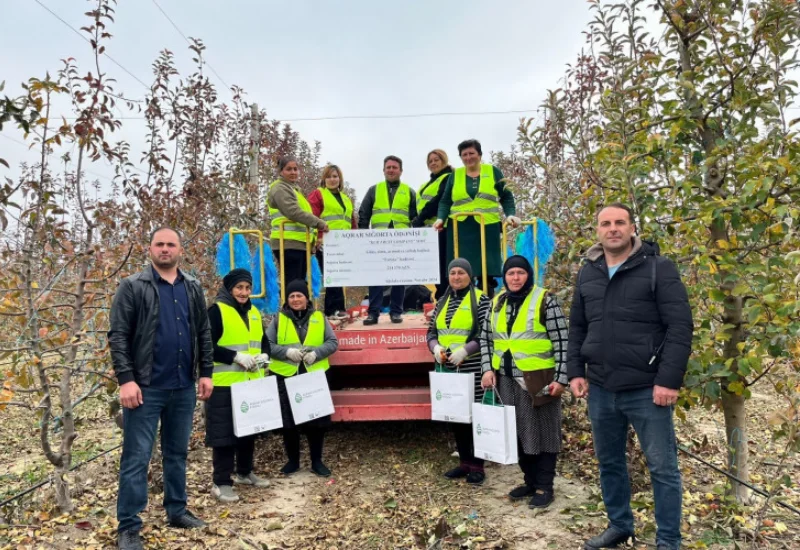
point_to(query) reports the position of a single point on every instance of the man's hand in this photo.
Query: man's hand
(664, 397)
(439, 225)
(488, 379)
(204, 388)
(579, 387)
(130, 396)
(556, 389)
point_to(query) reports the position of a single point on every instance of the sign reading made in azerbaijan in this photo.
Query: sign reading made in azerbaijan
(381, 257)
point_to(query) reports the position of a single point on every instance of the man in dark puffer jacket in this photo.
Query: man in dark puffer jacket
(631, 324)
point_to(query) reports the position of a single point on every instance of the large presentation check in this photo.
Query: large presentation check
(381, 257)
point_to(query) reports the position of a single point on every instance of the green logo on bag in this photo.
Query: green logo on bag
(298, 398)
(438, 395)
(244, 407)
(478, 429)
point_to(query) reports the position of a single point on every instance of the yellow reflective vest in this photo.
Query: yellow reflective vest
(287, 336)
(454, 335)
(336, 216)
(396, 213)
(293, 231)
(237, 337)
(486, 200)
(528, 342)
(427, 193)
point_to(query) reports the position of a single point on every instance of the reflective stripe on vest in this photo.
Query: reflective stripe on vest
(293, 231)
(486, 200)
(455, 335)
(396, 213)
(236, 337)
(336, 216)
(427, 193)
(287, 336)
(528, 342)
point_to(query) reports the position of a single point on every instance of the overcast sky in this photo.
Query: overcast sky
(305, 59)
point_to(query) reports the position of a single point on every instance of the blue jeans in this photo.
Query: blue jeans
(376, 300)
(175, 409)
(611, 413)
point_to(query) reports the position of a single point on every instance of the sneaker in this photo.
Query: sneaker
(187, 521)
(521, 492)
(476, 478)
(541, 499)
(319, 468)
(129, 540)
(456, 473)
(396, 318)
(290, 467)
(610, 538)
(371, 320)
(338, 315)
(250, 479)
(224, 493)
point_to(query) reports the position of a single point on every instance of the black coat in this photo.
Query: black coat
(134, 320)
(618, 326)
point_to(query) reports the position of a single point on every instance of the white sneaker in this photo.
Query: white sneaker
(338, 315)
(251, 479)
(224, 493)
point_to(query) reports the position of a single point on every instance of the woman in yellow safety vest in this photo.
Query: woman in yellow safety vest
(523, 356)
(287, 203)
(301, 340)
(428, 199)
(241, 350)
(332, 205)
(453, 340)
(480, 188)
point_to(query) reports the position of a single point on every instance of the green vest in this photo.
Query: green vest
(397, 212)
(486, 200)
(455, 335)
(287, 336)
(236, 337)
(427, 193)
(293, 231)
(528, 342)
(333, 214)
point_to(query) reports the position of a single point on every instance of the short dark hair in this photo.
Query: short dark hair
(166, 228)
(621, 206)
(394, 158)
(470, 144)
(284, 161)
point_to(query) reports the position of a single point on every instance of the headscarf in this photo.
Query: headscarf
(466, 266)
(298, 285)
(225, 295)
(520, 295)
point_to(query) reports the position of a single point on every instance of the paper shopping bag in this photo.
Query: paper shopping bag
(494, 432)
(256, 406)
(309, 396)
(452, 395)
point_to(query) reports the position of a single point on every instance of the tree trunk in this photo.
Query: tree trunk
(736, 435)
(61, 484)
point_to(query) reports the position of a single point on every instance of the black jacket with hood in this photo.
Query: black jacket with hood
(633, 330)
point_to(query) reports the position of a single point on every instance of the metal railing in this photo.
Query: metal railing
(232, 232)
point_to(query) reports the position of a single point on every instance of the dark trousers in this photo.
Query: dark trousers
(295, 264)
(611, 413)
(223, 459)
(465, 447)
(175, 409)
(444, 278)
(376, 300)
(539, 470)
(334, 296)
(291, 443)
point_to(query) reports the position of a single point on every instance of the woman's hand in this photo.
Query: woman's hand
(556, 389)
(513, 221)
(488, 380)
(438, 225)
(322, 227)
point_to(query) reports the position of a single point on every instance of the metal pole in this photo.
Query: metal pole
(255, 147)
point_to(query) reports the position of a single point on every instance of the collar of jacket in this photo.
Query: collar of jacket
(596, 251)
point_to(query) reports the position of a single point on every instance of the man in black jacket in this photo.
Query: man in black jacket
(631, 325)
(160, 344)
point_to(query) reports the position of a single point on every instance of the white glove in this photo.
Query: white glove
(310, 358)
(437, 353)
(294, 355)
(246, 361)
(458, 356)
(262, 359)
(513, 220)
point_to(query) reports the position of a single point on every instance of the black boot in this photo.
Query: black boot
(291, 444)
(610, 538)
(316, 440)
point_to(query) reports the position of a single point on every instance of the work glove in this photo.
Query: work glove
(458, 356)
(246, 361)
(513, 220)
(262, 359)
(310, 358)
(439, 354)
(294, 355)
